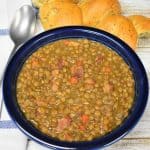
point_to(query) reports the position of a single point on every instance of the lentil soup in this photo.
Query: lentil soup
(75, 89)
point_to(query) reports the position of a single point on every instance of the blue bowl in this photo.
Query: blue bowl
(15, 64)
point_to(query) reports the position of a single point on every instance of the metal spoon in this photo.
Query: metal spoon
(23, 26)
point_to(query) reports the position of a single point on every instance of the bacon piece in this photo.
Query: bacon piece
(63, 123)
(99, 59)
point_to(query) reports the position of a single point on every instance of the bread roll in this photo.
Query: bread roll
(141, 24)
(39, 3)
(58, 14)
(95, 10)
(121, 27)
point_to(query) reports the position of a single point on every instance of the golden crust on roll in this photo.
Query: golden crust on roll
(141, 24)
(121, 27)
(95, 10)
(39, 3)
(58, 14)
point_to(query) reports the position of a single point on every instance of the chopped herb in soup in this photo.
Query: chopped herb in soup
(75, 89)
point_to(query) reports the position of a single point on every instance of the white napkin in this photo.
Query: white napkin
(12, 139)
(35, 146)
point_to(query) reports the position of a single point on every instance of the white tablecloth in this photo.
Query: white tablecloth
(10, 137)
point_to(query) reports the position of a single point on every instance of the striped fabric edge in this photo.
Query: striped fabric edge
(4, 32)
(7, 124)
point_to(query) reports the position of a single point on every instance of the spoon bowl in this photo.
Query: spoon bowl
(23, 25)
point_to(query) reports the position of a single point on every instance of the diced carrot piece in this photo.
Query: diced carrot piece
(85, 118)
(73, 80)
(35, 63)
(66, 42)
(81, 127)
(106, 69)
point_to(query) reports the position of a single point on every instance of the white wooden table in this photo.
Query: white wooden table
(139, 138)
